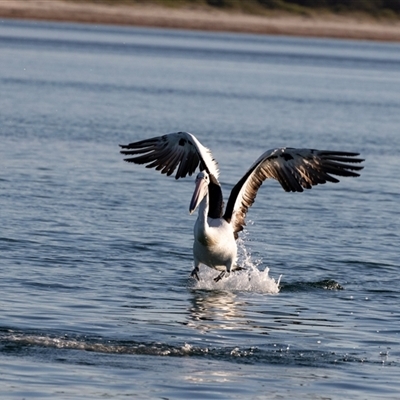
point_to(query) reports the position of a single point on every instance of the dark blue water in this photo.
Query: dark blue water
(95, 254)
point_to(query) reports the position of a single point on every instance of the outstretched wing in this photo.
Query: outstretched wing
(294, 169)
(165, 153)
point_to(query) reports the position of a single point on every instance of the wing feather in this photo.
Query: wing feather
(171, 164)
(175, 150)
(294, 169)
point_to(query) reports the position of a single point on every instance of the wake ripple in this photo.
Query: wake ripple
(13, 343)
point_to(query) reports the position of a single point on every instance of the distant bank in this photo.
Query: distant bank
(321, 25)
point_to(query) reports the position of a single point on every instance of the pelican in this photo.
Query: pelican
(216, 229)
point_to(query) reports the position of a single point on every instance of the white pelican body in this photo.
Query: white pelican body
(216, 229)
(214, 241)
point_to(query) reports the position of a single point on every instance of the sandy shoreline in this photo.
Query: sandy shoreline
(201, 19)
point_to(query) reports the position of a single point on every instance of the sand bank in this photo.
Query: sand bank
(332, 26)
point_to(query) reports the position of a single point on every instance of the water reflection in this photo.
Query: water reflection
(215, 310)
(228, 311)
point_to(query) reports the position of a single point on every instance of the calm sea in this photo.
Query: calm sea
(96, 298)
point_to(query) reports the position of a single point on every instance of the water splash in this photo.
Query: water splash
(250, 279)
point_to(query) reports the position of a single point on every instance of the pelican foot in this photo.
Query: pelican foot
(220, 276)
(195, 275)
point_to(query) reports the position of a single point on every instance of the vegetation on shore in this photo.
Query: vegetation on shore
(374, 8)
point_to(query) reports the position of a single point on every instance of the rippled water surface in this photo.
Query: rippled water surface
(96, 296)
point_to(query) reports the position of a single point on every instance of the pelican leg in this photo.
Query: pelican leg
(194, 274)
(229, 267)
(220, 276)
(195, 271)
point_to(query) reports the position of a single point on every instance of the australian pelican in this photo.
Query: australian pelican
(216, 230)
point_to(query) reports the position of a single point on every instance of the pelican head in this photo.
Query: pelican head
(200, 190)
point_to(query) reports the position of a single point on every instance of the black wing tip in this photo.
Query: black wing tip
(130, 160)
(338, 153)
(129, 147)
(132, 145)
(141, 143)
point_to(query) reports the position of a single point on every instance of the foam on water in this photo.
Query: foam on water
(250, 279)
